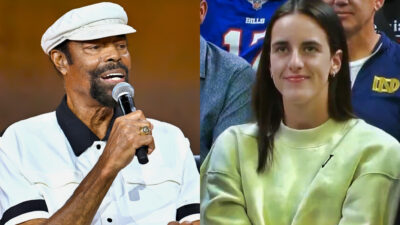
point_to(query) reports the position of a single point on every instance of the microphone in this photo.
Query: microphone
(123, 94)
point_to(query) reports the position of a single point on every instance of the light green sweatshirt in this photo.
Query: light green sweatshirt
(337, 173)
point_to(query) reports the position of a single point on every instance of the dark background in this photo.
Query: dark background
(164, 51)
(387, 19)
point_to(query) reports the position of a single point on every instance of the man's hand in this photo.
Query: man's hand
(125, 138)
(197, 222)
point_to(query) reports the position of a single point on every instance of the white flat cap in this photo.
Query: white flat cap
(91, 22)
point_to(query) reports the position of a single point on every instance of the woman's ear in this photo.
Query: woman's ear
(336, 62)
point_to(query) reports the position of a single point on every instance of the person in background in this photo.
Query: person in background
(225, 90)
(238, 26)
(374, 65)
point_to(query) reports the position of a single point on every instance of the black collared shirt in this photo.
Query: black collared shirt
(78, 134)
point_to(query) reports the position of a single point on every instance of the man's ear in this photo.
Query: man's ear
(60, 61)
(203, 10)
(378, 4)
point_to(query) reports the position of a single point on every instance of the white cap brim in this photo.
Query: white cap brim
(87, 23)
(102, 31)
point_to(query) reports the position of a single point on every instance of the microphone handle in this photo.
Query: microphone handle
(141, 154)
(127, 105)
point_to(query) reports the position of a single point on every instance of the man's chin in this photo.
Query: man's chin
(349, 27)
(103, 96)
(101, 91)
(106, 102)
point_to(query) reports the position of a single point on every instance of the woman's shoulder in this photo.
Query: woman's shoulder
(247, 129)
(375, 150)
(368, 134)
(228, 149)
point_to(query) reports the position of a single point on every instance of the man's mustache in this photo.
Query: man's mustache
(107, 67)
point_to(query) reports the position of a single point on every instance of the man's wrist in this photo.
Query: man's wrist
(107, 171)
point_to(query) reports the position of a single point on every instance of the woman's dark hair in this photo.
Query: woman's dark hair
(267, 100)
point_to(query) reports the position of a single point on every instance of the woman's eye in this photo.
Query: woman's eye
(310, 49)
(281, 49)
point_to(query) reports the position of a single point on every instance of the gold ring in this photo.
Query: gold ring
(144, 130)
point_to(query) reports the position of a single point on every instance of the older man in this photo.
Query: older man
(374, 65)
(77, 165)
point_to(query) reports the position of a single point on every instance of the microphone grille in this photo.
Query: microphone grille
(122, 88)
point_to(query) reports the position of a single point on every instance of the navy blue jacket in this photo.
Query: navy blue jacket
(376, 92)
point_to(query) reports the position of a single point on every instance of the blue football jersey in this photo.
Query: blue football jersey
(238, 26)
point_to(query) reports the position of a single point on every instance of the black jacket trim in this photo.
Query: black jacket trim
(22, 208)
(187, 210)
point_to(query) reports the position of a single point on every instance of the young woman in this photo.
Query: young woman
(306, 160)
